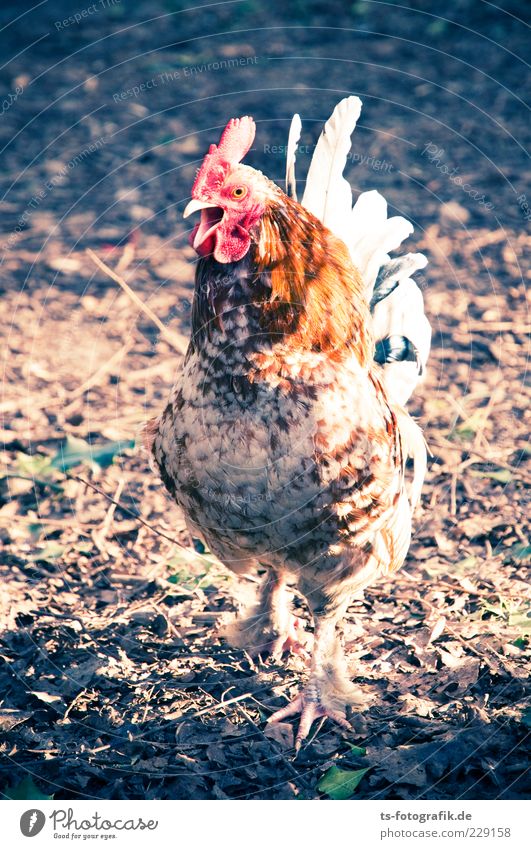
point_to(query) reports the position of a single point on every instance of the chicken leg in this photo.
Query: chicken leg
(329, 689)
(271, 629)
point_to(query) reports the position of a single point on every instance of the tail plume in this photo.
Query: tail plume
(402, 331)
(293, 142)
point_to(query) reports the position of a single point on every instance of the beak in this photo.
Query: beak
(197, 206)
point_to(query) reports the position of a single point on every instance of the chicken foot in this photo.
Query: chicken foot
(328, 690)
(271, 629)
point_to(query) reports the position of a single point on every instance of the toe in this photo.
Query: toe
(310, 709)
(339, 718)
(292, 709)
(309, 714)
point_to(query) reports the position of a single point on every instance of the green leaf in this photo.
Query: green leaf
(521, 619)
(340, 783)
(519, 552)
(463, 433)
(84, 547)
(34, 466)
(516, 615)
(437, 27)
(167, 139)
(25, 789)
(76, 451)
(35, 530)
(499, 475)
(115, 12)
(49, 553)
(469, 427)
(183, 578)
(466, 565)
(358, 750)
(193, 569)
(359, 8)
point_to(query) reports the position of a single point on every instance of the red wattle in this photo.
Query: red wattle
(232, 243)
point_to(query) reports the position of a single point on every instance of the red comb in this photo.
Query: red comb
(235, 142)
(237, 139)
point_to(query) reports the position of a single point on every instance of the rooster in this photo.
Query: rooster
(285, 438)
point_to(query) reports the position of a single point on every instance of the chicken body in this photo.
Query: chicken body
(282, 470)
(286, 458)
(279, 442)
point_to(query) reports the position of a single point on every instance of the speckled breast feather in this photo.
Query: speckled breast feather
(282, 456)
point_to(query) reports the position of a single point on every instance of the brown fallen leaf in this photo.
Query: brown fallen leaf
(48, 698)
(282, 733)
(437, 629)
(10, 718)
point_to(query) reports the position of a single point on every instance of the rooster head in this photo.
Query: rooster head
(230, 196)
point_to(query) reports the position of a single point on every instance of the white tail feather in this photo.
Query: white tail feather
(402, 312)
(370, 236)
(414, 446)
(291, 155)
(373, 235)
(327, 194)
(398, 311)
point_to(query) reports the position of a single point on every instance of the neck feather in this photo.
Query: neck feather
(297, 280)
(316, 295)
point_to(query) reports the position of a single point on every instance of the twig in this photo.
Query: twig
(212, 708)
(104, 369)
(148, 697)
(100, 536)
(74, 702)
(468, 449)
(134, 515)
(458, 588)
(164, 332)
(466, 643)
(56, 523)
(453, 495)
(128, 253)
(125, 509)
(171, 627)
(151, 371)
(107, 522)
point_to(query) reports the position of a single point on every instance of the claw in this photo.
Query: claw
(292, 642)
(310, 709)
(262, 636)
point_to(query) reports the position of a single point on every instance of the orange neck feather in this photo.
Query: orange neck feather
(316, 292)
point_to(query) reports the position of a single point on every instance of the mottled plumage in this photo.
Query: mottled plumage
(279, 441)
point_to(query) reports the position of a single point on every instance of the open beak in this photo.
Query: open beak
(196, 206)
(202, 237)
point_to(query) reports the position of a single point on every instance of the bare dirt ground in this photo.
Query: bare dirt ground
(113, 683)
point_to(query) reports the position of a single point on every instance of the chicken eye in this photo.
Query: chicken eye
(239, 192)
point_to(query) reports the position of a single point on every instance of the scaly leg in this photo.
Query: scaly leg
(271, 629)
(328, 690)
